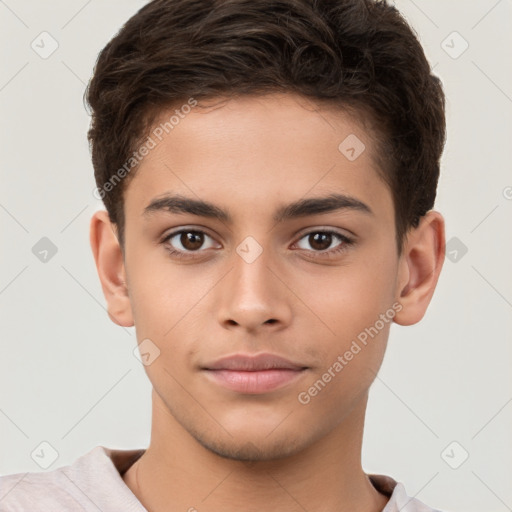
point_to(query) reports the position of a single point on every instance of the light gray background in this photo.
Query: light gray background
(68, 375)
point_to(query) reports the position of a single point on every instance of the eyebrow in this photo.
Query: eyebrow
(301, 208)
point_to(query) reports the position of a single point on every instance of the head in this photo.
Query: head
(238, 109)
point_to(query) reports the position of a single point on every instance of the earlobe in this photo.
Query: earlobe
(421, 264)
(111, 269)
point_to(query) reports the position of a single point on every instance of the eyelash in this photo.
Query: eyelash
(329, 253)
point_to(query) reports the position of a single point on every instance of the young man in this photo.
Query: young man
(268, 170)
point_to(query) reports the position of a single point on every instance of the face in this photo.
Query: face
(314, 284)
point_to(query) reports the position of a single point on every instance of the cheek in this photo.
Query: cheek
(169, 308)
(353, 298)
(156, 295)
(350, 360)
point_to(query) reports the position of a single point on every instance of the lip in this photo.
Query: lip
(254, 374)
(253, 363)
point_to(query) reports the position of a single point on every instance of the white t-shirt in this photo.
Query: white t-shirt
(93, 483)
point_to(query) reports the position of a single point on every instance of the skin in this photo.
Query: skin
(212, 448)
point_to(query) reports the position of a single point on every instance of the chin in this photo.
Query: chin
(244, 450)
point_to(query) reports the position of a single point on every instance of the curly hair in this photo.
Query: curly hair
(360, 55)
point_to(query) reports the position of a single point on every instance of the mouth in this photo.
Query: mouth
(258, 374)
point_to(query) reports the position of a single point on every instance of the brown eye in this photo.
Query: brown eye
(191, 240)
(320, 241)
(187, 241)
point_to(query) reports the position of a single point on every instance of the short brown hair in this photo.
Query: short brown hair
(356, 54)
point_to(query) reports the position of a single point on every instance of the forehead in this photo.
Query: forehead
(251, 152)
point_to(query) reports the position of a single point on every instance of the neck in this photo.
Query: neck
(177, 473)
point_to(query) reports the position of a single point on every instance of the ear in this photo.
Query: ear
(419, 268)
(111, 268)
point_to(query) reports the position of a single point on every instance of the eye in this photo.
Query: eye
(186, 241)
(321, 240)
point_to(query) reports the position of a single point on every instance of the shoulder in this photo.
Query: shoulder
(92, 482)
(399, 500)
(36, 491)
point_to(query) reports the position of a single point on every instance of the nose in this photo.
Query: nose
(254, 296)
